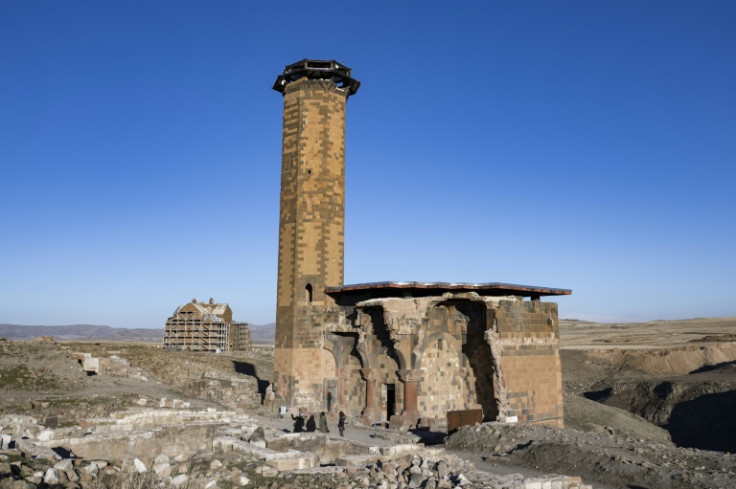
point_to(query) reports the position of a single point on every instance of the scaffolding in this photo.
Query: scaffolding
(205, 327)
(239, 337)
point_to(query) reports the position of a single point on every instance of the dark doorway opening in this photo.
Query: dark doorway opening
(390, 401)
(329, 402)
(308, 290)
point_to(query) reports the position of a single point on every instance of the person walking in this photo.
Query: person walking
(323, 423)
(341, 424)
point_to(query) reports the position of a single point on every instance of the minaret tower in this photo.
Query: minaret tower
(311, 223)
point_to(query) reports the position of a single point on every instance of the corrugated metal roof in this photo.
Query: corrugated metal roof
(490, 288)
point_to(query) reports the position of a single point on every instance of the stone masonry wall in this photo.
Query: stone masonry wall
(311, 235)
(528, 341)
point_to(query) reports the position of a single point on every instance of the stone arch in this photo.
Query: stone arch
(482, 376)
(308, 293)
(352, 395)
(427, 341)
(463, 317)
(382, 337)
(347, 381)
(359, 351)
(443, 387)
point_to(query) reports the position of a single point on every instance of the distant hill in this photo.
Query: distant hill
(263, 334)
(260, 333)
(576, 333)
(85, 332)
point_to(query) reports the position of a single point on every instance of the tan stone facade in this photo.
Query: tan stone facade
(402, 353)
(312, 223)
(426, 350)
(199, 326)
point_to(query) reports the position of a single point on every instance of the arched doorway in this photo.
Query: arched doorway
(477, 352)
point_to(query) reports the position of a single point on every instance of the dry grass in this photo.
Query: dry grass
(147, 480)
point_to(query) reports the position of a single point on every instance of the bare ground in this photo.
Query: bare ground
(630, 390)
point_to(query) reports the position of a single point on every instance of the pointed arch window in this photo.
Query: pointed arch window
(308, 293)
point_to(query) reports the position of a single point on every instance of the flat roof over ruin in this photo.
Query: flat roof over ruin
(387, 289)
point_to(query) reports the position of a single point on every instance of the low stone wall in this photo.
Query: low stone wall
(166, 441)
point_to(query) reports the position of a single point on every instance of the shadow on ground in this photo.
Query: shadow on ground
(251, 370)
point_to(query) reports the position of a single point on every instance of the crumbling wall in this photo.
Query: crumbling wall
(443, 388)
(528, 345)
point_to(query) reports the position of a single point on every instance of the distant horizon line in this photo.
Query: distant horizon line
(581, 317)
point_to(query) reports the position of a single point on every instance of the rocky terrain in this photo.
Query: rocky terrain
(611, 459)
(646, 406)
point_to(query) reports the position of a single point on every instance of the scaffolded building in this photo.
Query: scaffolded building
(197, 326)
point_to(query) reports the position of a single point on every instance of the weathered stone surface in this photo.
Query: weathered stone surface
(162, 469)
(92, 469)
(243, 480)
(64, 465)
(51, 476)
(31, 450)
(139, 466)
(179, 480)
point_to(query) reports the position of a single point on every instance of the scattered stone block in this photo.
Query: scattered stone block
(92, 469)
(139, 466)
(179, 480)
(30, 450)
(51, 476)
(72, 475)
(162, 469)
(161, 458)
(64, 465)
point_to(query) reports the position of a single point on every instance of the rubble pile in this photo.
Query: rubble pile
(619, 461)
(171, 446)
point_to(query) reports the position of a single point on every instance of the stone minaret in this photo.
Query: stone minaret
(312, 224)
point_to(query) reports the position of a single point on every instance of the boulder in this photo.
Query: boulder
(64, 465)
(139, 466)
(30, 450)
(161, 458)
(162, 469)
(179, 480)
(72, 475)
(243, 480)
(51, 476)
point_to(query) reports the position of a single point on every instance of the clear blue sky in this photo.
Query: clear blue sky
(587, 145)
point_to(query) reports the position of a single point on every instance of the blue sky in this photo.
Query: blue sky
(571, 144)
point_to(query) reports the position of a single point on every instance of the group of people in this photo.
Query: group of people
(301, 424)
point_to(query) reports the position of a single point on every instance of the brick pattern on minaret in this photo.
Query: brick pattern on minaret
(311, 234)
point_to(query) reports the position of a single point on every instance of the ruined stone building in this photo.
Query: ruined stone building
(197, 326)
(403, 352)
